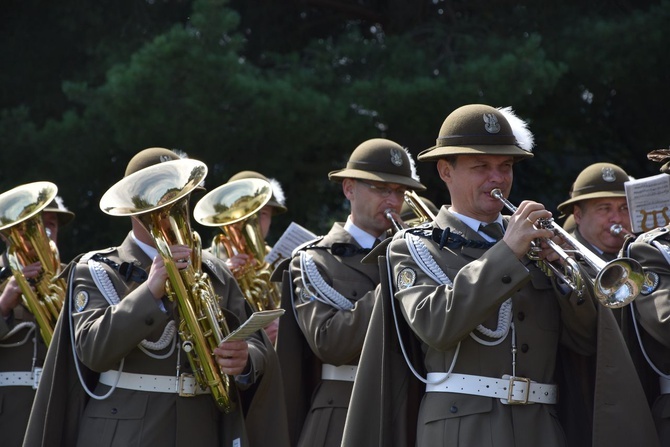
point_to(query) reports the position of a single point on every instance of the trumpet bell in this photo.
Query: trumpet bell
(619, 282)
(153, 187)
(232, 202)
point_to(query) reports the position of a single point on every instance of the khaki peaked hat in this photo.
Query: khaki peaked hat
(153, 156)
(149, 157)
(380, 160)
(277, 201)
(57, 207)
(600, 180)
(478, 129)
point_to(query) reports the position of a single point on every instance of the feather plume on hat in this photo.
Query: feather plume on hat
(524, 137)
(277, 191)
(412, 165)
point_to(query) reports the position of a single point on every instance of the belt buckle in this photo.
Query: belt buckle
(187, 385)
(510, 392)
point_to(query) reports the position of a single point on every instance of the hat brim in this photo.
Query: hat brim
(340, 175)
(277, 208)
(567, 206)
(437, 152)
(64, 217)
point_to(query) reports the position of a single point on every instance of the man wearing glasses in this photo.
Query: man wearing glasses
(333, 293)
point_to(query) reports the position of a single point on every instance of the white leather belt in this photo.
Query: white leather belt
(17, 378)
(510, 390)
(345, 373)
(665, 385)
(185, 385)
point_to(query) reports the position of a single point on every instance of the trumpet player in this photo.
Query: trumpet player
(598, 205)
(131, 380)
(333, 293)
(649, 336)
(22, 350)
(480, 324)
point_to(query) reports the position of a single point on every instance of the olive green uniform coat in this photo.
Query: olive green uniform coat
(333, 337)
(17, 353)
(106, 335)
(441, 317)
(652, 314)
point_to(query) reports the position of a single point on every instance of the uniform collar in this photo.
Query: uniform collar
(474, 224)
(148, 250)
(363, 238)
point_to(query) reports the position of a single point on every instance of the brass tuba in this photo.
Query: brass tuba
(234, 208)
(157, 196)
(27, 242)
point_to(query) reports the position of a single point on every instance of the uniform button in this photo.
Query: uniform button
(520, 316)
(454, 409)
(506, 279)
(149, 321)
(114, 411)
(354, 294)
(524, 347)
(330, 401)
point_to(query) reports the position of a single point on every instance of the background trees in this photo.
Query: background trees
(290, 88)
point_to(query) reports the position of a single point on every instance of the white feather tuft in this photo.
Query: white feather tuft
(524, 137)
(60, 204)
(180, 153)
(412, 165)
(278, 192)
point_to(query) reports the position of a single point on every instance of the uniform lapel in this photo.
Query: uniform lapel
(447, 220)
(339, 234)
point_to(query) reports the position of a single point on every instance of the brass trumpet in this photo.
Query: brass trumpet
(157, 196)
(616, 283)
(620, 230)
(423, 213)
(28, 242)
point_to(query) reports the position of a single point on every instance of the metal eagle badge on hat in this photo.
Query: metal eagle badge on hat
(609, 175)
(491, 123)
(396, 157)
(406, 278)
(80, 300)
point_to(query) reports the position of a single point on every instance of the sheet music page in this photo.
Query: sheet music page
(258, 320)
(294, 236)
(648, 202)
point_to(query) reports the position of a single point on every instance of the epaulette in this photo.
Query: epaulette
(652, 235)
(447, 237)
(87, 256)
(128, 270)
(306, 245)
(423, 230)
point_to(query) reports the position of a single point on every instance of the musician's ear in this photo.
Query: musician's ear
(444, 169)
(348, 187)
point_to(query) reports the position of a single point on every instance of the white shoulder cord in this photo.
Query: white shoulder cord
(416, 251)
(653, 366)
(317, 286)
(104, 283)
(425, 260)
(31, 326)
(74, 350)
